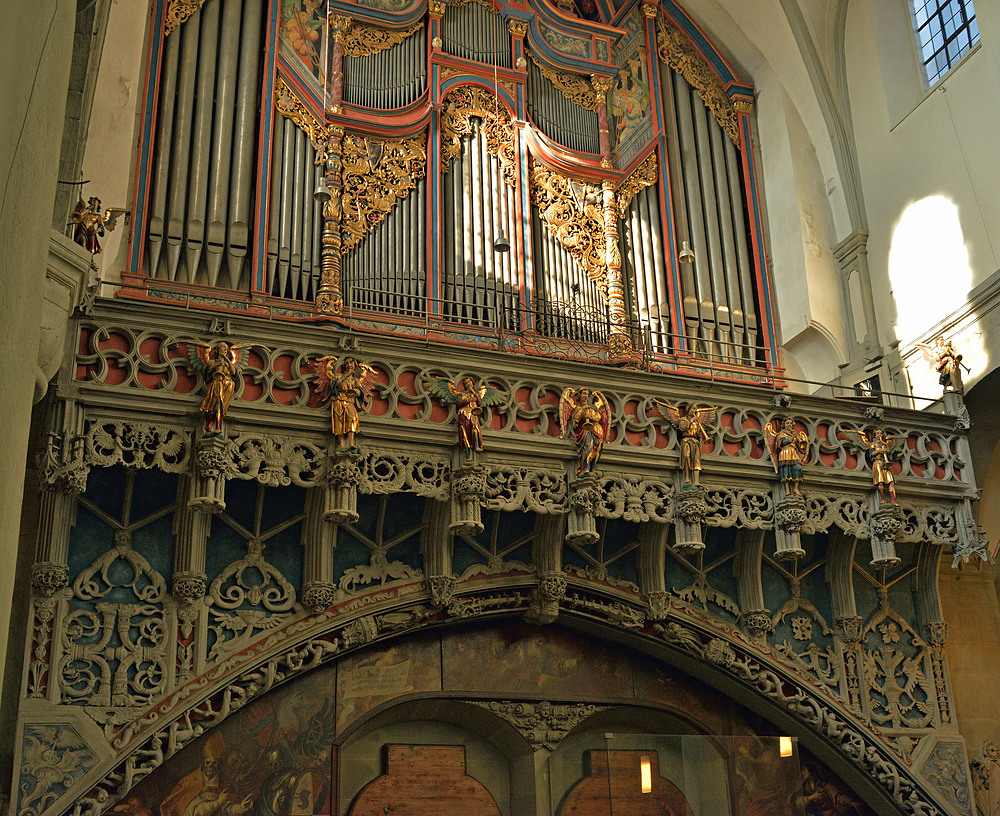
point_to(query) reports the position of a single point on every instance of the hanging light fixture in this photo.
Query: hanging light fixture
(686, 256)
(322, 194)
(500, 244)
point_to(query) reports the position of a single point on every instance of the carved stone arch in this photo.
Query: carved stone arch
(720, 656)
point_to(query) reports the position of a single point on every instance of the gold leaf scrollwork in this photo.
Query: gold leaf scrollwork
(376, 175)
(486, 4)
(678, 51)
(575, 88)
(291, 107)
(643, 176)
(572, 212)
(178, 11)
(363, 41)
(461, 106)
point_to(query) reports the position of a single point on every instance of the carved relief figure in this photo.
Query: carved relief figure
(690, 424)
(469, 402)
(947, 363)
(587, 414)
(788, 450)
(89, 224)
(882, 450)
(219, 365)
(347, 387)
(203, 792)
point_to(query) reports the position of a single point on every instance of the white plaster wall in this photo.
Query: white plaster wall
(36, 41)
(938, 159)
(109, 161)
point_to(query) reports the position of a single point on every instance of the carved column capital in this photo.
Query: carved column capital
(468, 489)
(48, 578)
(936, 633)
(757, 623)
(850, 629)
(189, 587)
(442, 589)
(657, 604)
(318, 595)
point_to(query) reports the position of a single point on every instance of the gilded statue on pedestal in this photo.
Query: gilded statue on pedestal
(788, 449)
(346, 384)
(947, 363)
(469, 402)
(690, 424)
(588, 415)
(220, 366)
(882, 449)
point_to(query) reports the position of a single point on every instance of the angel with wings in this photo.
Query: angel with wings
(469, 402)
(587, 414)
(947, 363)
(788, 450)
(219, 365)
(691, 425)
(346, 384)
(882, 449)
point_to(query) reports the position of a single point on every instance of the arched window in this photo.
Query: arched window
(946, 30)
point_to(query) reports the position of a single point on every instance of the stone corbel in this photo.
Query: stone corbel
(340, 497)
(789, 517)
(885, 522)
(468, 490)
(211, 467)
(582, 502)
(690, 509)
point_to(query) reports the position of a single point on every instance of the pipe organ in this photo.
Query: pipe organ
(547, 113)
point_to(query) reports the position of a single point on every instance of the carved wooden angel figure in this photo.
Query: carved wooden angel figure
(220, 366)
(469, 402)
(882, 449)
(347, 385)
(588, 415)
(947, 363)
(690, 423)
(788, 450)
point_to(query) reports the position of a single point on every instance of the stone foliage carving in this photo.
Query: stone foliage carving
(543, 724)
(727, 507)
(900, 694)
(115, 653)
(519, 488)
(138, 445)
(945, 768)
(54, 757)
(635, 498)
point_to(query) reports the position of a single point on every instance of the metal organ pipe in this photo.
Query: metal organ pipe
(158, 204)
(181, 150)
(730, 267)
(692, 190)
(201, 139)
(744, 266)
(203, 170)
(389, 79)
(711, 219)
(222, 141)
(244, 144)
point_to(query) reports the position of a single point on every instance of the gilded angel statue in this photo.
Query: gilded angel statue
(947, 363)
(220, 366)
(690, 423)
(788, 450)
(588, 415)
(469, 402)
(347, 385)
(882, 449)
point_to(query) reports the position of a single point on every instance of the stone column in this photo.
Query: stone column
(437, 545)
(755, 617)
(652, 565)
(319, 540)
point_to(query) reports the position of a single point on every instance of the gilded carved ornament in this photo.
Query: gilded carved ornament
(178, 11)
(486, 4)
(572, 212)
(574, 87)
(461, 106)
(679, 53)
(437, 8)
(291, 107)
(643, 176)
(517, 28)
(367, 40)
(377, 174)
(649, 9)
